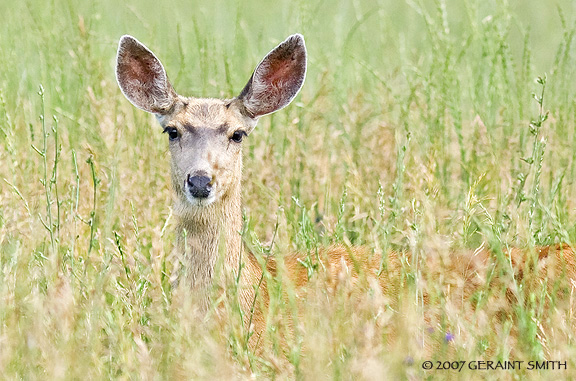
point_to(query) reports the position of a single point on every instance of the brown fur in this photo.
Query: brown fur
(205, 146)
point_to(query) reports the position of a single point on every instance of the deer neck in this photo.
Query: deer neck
(207, 233)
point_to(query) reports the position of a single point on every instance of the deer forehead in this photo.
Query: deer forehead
(205, 113)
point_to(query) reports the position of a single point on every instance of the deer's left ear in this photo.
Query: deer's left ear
(142, 77)
(277, 79)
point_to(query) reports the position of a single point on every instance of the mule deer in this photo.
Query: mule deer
(205, 139)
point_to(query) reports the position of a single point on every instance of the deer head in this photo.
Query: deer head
(205, 135)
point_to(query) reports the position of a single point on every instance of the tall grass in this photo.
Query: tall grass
(417, 129)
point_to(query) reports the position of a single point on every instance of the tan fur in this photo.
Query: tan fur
(204, 145)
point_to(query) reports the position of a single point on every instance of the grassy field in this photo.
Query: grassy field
(420, 128)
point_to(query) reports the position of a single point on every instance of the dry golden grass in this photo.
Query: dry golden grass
(412, 133)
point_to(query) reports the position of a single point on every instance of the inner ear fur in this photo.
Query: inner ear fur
(277, 79)
(142, 77)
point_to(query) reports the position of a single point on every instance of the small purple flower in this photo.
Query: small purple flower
(430, 330)
(449, 337)
(409, 360)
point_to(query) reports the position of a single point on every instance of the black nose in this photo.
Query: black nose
(199, 186)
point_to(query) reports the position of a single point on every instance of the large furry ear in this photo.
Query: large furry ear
(142, 77)
(277, 79)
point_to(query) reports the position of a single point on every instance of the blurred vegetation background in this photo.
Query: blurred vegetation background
(420, 127)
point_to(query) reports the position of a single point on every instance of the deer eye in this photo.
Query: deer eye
(237, 136)
(172, 133)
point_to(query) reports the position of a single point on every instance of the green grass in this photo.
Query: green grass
(416, 129)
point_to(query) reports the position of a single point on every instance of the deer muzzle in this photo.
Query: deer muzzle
(199, 186)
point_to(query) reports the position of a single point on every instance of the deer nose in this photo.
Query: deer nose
(199, 186)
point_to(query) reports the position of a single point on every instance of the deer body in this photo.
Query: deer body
(205, 139)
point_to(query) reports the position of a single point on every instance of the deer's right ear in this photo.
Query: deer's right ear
(277, 79)
(142, 77)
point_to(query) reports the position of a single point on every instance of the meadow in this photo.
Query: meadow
(424, 126)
